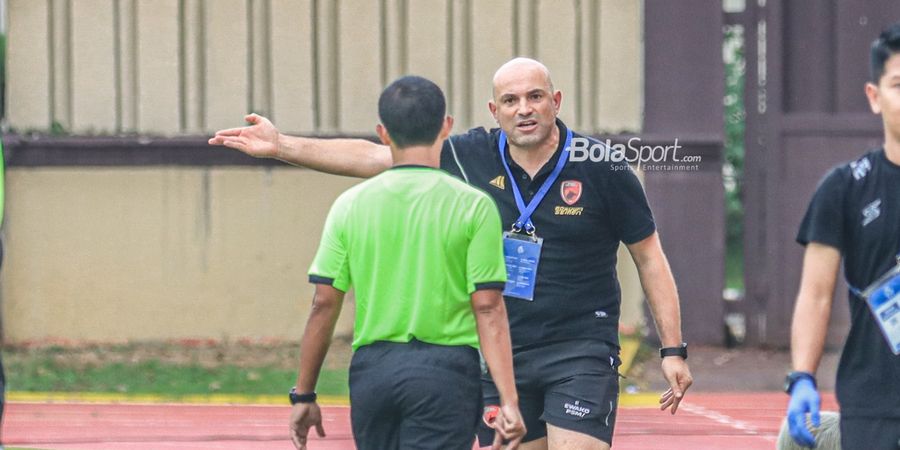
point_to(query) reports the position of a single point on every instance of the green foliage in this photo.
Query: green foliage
(47, 373)
(734, 266)
(733, 167)
(57, 129)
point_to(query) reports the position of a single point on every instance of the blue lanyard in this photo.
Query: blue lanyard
(857, 291)
(525, 212)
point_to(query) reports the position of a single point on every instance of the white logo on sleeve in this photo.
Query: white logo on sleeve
(860, 168)
(871, 212)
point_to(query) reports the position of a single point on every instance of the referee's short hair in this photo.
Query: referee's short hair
(887, 44)
(412, 109)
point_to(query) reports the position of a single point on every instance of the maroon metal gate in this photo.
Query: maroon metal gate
(807, 63)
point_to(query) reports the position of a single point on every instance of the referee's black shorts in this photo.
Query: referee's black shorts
(414, 396)
(572, 385)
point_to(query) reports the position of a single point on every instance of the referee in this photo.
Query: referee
(855, 216)
(423, 251)
(565, 221)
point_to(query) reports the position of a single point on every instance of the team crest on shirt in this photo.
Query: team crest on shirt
(499, 182)
(570, 190)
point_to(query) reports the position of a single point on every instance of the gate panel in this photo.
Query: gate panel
(807, 64)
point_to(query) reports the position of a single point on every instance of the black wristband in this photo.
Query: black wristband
(295, 398)
(793, 377)
(681, 351)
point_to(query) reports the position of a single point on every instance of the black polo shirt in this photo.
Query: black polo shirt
(589, 209)
(856, 209)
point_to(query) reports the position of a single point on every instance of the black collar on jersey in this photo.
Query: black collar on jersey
(413, 166)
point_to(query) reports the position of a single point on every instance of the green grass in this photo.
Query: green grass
(45, 373)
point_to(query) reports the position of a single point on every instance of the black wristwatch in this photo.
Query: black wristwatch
(681, 351)
(796, 376)
(301, 398)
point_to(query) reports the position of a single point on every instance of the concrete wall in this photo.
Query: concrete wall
(156, 252)
(111, 254)
(126, 253)
(193, 66)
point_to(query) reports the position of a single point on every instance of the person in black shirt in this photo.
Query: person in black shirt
(854, 215)
(564, 335)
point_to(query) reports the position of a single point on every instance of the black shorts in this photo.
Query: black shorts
(869, 433)
(414, 396)
(572, 385)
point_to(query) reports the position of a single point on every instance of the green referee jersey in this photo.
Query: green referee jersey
(414, 242)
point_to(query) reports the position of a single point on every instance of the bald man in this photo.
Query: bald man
(566, 220)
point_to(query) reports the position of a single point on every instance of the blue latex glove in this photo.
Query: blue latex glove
(804, 399)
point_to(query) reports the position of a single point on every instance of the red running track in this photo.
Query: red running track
(705, 422)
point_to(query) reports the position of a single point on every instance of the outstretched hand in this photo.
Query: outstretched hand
(259, 139)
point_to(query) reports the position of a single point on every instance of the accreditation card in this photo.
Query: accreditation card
(522, 254)
(883, 297)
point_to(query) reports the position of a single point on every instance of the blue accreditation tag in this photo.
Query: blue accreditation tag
(522, 253)
(883, 297)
